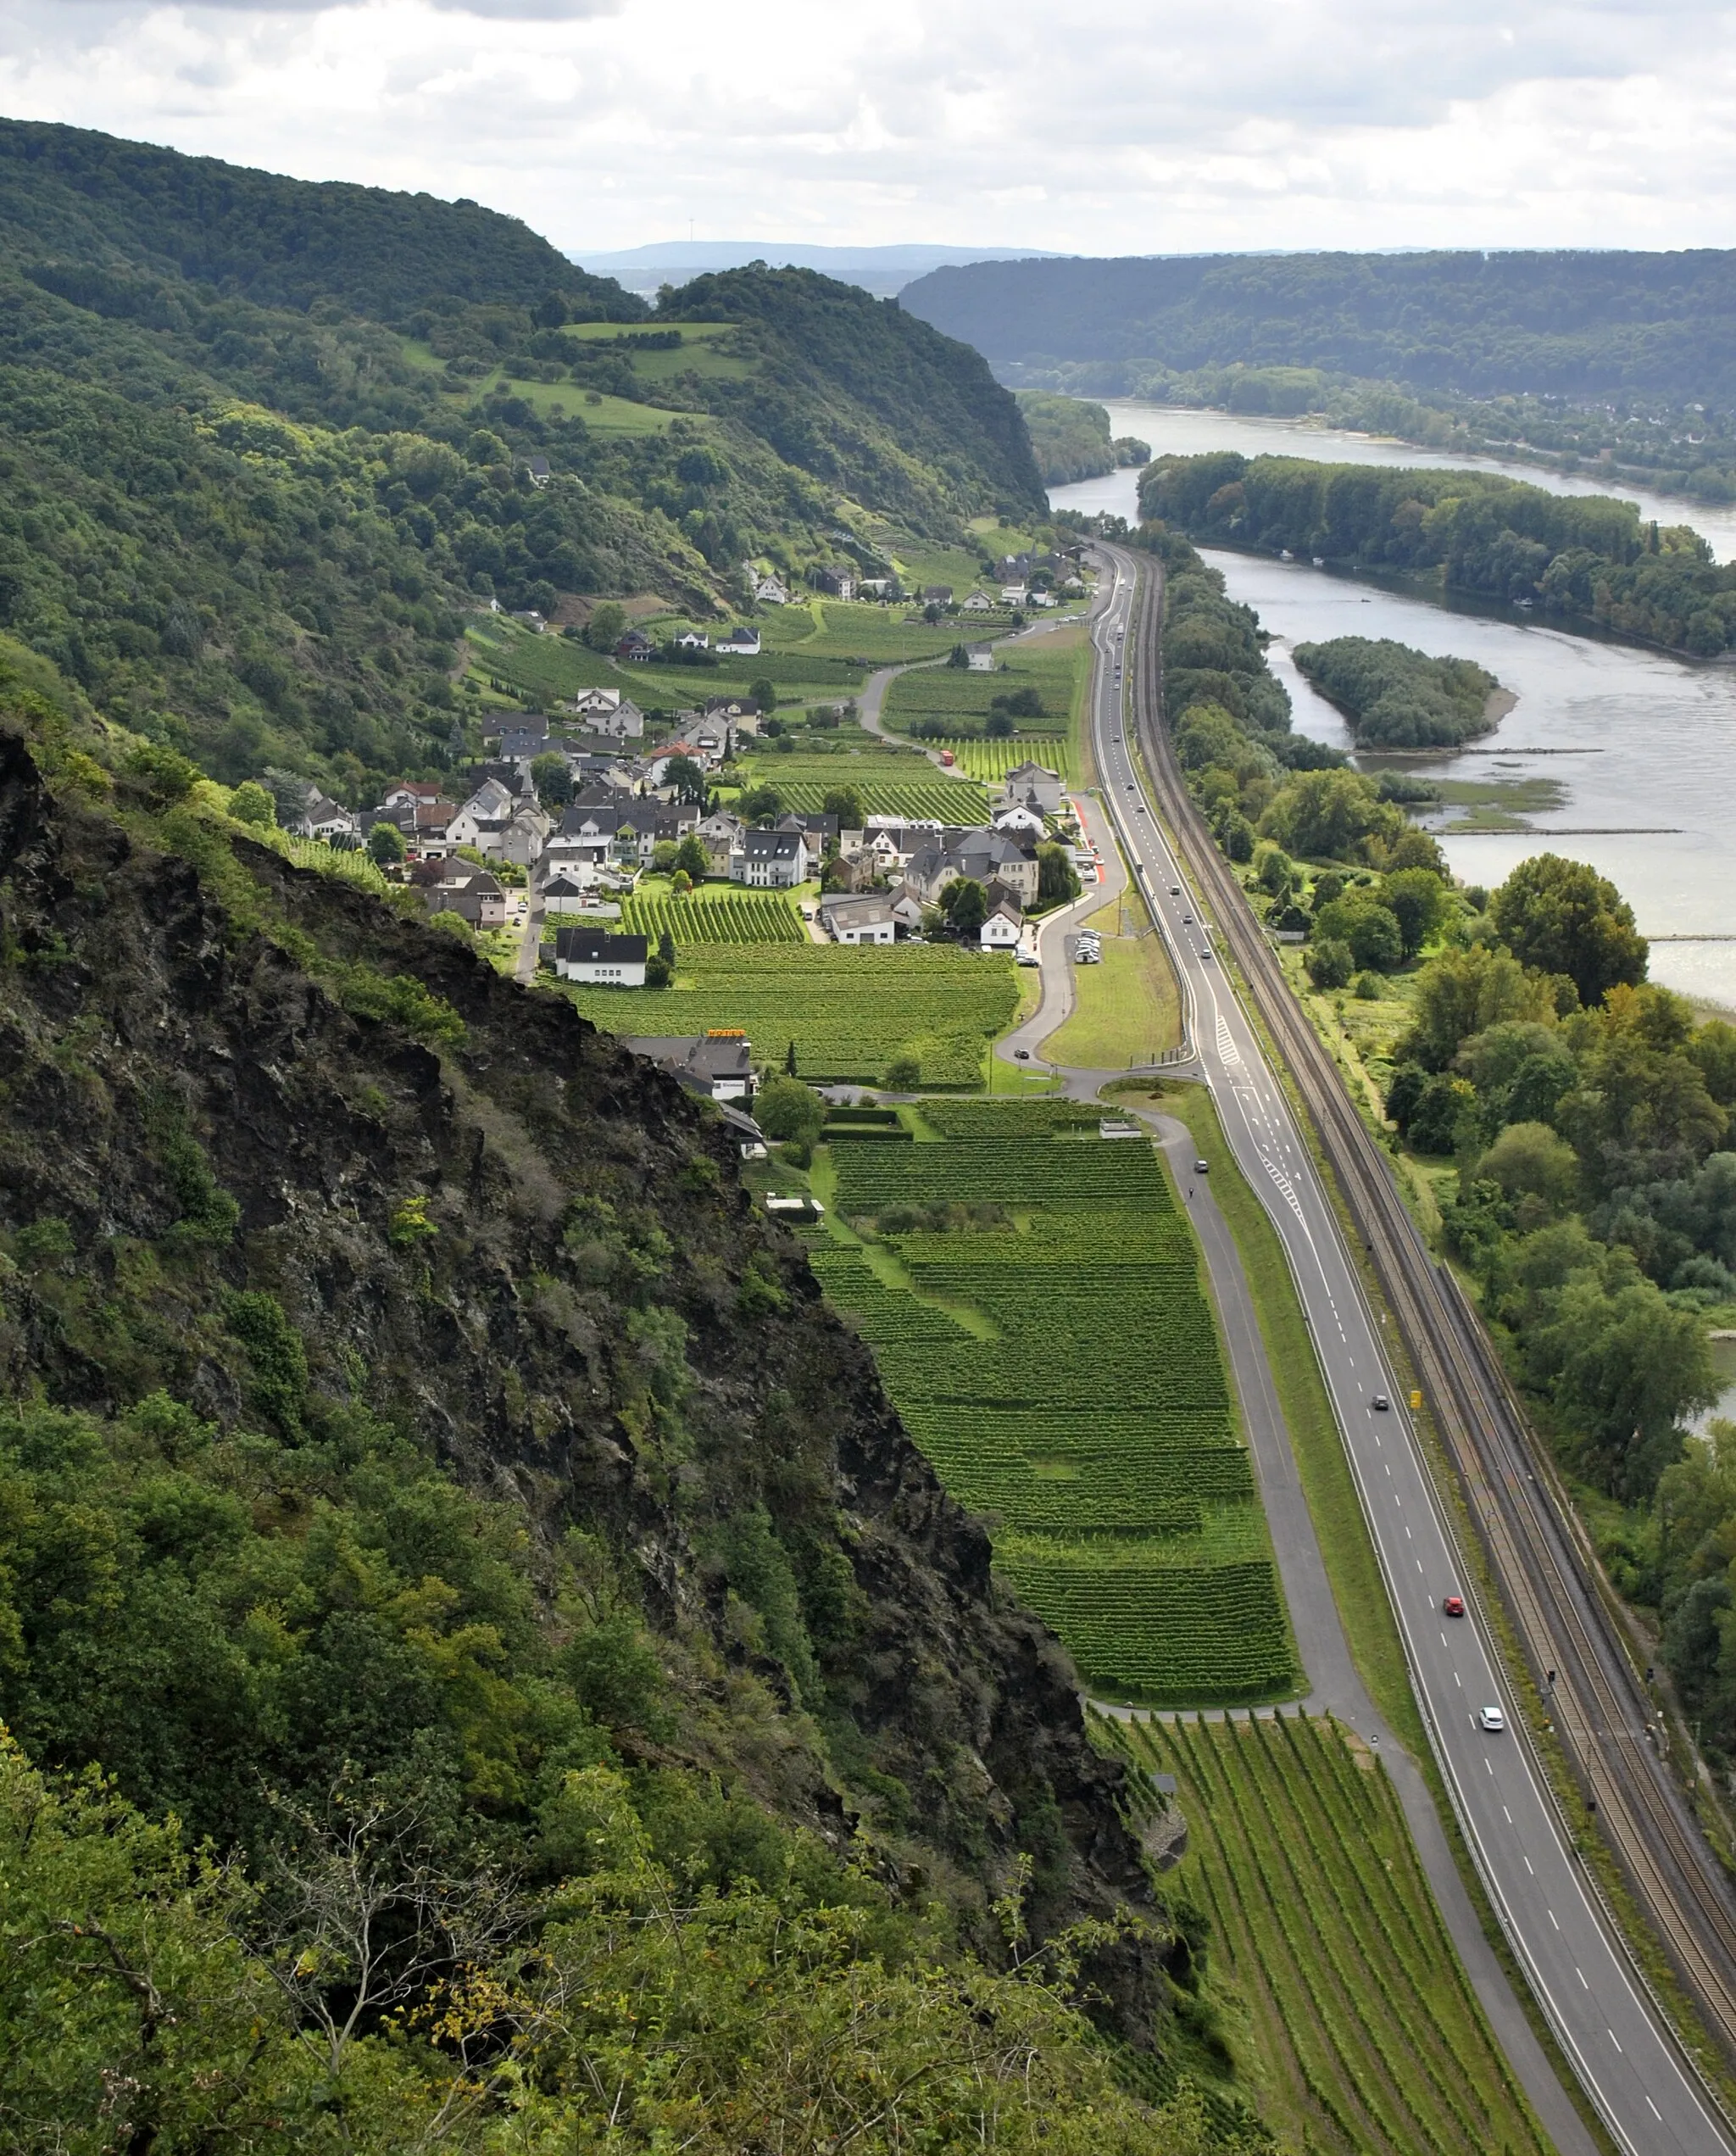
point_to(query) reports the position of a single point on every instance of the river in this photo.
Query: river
(1647, 788)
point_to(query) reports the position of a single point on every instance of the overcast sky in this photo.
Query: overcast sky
(1125, 126)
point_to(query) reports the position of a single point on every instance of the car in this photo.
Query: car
(1205, 958)
(1021, 1054)
(1187, 921)
(1492, 1718)
(1380, 1402)
(1454, 1606)
(1202, 1167)
(1132, 787)
(1175, 890)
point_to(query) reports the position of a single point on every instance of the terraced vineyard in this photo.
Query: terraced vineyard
(1055, 1358)
(1372, 2041)
(849, 1013)
(753, 918)
(895, 784)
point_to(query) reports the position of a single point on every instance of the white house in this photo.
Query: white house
(771, 859)
(719, 1063)
(324, 818)
(906, 909)
(599, 960)
(606, 711)
(1013, 594)
(1020, 817)
(859, 921)
(1037, 786)
(979, 603)
(569, 890)
(476, 897)
(771, 591)
(742, 642)
(483, 818)
(979, 658)
(1003, 928)
(693, 640)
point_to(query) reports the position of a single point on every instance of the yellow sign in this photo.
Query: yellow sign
(1415, 1399)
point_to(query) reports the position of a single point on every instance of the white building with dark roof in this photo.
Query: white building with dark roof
(597, 959)
(771, 859)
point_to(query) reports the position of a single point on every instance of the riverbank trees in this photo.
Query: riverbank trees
(1395, 697)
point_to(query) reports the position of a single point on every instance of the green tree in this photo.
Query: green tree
(1366, 926)
(1057, 879)
(1530, 1159)
(384, 845)
(251, 804)
(1330, 963)
(966, 906)
(1273, 870)
(845, 803)
(763, 691)
(691, 858)
(1561, 917)
(551, 776)
(603, 631)
(1329, 815)
(761, 805)
(1464, 992)
(785, 1108)
(686, 776)
(1418, 900)
(903, 1074)
(663, 855)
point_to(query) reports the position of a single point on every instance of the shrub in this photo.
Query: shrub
(1330, 963)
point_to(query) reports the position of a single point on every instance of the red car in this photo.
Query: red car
(1454, 1606)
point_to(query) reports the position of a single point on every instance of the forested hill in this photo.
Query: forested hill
(92, 202)
(263, 443)
(933, 396)
(1572, 324)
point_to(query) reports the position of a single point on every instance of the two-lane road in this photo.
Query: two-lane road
(1579, 1974)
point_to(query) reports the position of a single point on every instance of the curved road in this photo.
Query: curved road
(1580, 1974)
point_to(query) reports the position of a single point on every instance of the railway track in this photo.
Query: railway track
(1546, 1573)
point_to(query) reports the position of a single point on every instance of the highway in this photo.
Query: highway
(1579, 1974)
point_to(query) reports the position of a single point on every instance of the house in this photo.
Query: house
(537, 471)
(321, 817)
(482, 819)
(722, 835)
(636, 645)
(741, 642)
(720, 1064)
(771, 859)
(906, 909)
(820, 830)
(937, 594)
(693, 640)
(731, 710)
(876, 586)
(996, 893)
(771, 591)
(857, 921)
(606, 711)
(595, 703)
(1013, 594)
(476, 897)
(526, 833)
(979, 603)
(1020, 817)
(839, 581)
(640, 829)
(406, 794)
(1003, 928)
(569, 890)
(927, 873)
(979, 658)
(534, 621)
(521, 744)
(1037, 786)
(600, 960)
(986, 857)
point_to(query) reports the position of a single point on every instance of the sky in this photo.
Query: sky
(1130, 126)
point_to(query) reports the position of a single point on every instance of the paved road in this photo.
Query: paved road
(1578, 1970)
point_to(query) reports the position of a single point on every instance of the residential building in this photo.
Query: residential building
(820, 830)
(521, 744)
(937, 594)
(771, 859)
(730, 708)
(859, 920)
(693, 640)
(1003, 929)
(987, 857)
(535, 622)
(771, 591)
(839, 581)
(569, 890)
(927, 873)
(474, 896)
(979, 603)
(718, 1064)
(636, 645)
(1020, 817)
(906, 909)
(321, 817)
(595, 703)
(620, 720)
(599, 960)
(1013, 594)
(1037, 786)
(979, 658)
(722, 835)
(537, 471)
(644, 826)
(742, 642)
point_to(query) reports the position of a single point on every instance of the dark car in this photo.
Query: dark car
(1381, 1401)
(1454, 1606)
(1187, 921)
(1175, 890)
(1023, 1054)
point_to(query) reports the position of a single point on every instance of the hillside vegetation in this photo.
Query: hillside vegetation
(262, 442)
(1472, 531)
(429, 1485)
(1395, 697)
(1071, 438)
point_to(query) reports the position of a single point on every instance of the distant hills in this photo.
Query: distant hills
(1569, 324)
(882, 270)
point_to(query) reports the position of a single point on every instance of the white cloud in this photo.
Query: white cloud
(1145, 127)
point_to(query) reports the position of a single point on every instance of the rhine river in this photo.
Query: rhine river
(1642, 746)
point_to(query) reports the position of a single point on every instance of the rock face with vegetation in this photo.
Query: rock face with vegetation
(414, 1445)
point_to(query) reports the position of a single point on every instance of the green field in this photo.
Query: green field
(1034, 1302)
(991, 761)
(849, 1012)
(852, 629)
(889, 784)
(696, 354)
(1128, 1009)
(1056, 666)
(714, 917)
(1327, 1945)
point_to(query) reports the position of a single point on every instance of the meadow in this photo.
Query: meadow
(849, 1013)
(1057, 665)
(1033, 1298)
(1327, 1945)
(1128, 1009)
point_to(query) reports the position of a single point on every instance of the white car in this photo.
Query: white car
(1492, 1719)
